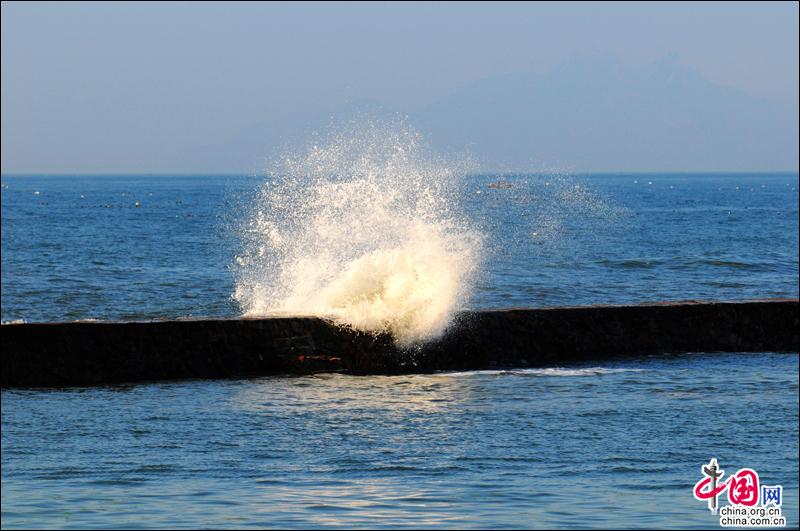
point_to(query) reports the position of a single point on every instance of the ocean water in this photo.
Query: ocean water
(79, 248)
(617, 446)
(580, 446)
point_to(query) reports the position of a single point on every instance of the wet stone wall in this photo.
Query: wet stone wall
(97, 353)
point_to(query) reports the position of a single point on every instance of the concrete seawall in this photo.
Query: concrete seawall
(96, 353)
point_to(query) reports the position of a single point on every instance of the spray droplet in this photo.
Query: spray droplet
(364, 229)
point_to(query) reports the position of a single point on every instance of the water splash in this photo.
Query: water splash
(363, 228)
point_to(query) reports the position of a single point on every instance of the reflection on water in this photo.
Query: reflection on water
(581, 446)
(396, 395)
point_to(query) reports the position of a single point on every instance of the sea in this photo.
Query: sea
(594, 445)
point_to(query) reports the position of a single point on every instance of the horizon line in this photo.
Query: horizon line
(483, 172)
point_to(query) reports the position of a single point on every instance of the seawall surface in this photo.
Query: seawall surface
(97, 353)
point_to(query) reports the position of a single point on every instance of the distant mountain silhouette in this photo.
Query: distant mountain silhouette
(591, 113)
(596, 113)
(262, 142)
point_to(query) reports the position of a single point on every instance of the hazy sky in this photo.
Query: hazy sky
(138, 87)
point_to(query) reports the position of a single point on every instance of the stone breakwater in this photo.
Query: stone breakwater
(97, 353)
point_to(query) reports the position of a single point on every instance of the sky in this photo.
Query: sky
(180, 87)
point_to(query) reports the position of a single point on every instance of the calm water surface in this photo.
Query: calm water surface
(618, 445)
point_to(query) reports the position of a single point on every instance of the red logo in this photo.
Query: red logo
(742, 487)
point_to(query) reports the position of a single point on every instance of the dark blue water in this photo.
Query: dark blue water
(80, 248)
(619, 445)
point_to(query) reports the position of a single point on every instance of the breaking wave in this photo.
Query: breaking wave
(364, 228)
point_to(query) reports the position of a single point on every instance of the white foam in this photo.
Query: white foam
(363, 228)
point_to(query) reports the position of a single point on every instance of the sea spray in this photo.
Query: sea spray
(365, 228)
(541, 229)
